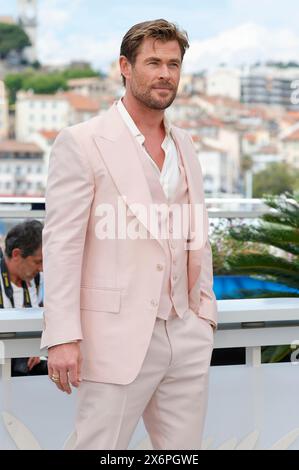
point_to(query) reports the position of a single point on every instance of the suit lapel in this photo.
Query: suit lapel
(196, 200)
(118, 150)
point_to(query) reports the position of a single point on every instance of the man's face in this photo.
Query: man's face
(154, 77)
(31, 265)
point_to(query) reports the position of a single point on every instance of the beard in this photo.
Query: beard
(145, 95)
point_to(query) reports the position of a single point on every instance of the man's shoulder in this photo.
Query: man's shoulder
(89, 127)
(86, 127)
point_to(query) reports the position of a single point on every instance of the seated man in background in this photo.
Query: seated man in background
(20, 266)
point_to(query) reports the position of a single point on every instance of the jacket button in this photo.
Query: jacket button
(160, 267)
(154, 303)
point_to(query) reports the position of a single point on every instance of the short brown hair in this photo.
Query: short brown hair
(158, 29)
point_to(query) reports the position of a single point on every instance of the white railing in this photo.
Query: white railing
(228, 208)
(250, 406)
(249, 323)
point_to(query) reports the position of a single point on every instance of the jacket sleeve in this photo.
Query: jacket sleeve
(206, 304)
(69, 195)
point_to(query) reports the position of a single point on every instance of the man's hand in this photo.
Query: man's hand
(33, 361)
(64, 364)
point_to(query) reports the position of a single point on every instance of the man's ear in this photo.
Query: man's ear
(16, 253)
(125, 67)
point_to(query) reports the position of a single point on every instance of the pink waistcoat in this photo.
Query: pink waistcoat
(174, 293)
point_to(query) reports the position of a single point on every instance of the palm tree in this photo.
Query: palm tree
(278, 232)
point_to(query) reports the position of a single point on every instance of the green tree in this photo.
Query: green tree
(224, 246)
(12, 38)
(276, 179)
(13, 83)
(42, 82)
(45, 84)
(277, 234)
(80, 73)
(278, 231)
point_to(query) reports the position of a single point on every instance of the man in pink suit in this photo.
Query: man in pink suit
(129, 307)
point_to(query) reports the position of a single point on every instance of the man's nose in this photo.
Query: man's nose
(164, 71)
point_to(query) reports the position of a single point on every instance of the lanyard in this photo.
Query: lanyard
(9, 289)
(6, 282)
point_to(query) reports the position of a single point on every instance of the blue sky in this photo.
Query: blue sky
(232, 31)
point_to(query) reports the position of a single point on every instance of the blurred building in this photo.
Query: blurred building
(269, 85)
(290, 146)
(93, 87)
(27, 19)
(224, 82)
(21, 169)
(36, 112)
(265, 156)
(213, 161)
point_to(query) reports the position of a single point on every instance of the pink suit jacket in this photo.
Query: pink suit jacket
(105, 292)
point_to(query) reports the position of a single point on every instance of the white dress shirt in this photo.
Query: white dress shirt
(18, 295)
(170, 172)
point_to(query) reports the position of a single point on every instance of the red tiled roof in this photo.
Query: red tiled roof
(83, 81)
(256, 111)
(49, 135)
(250, 138)
(268, 150)
(7, 19)
(196, 138)
(293, 137)
(291, 117)
(293, 114)
(210, 122)
(21, 147)
(222, 101)
(78, 102)
(39, 97)
(82, 103)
